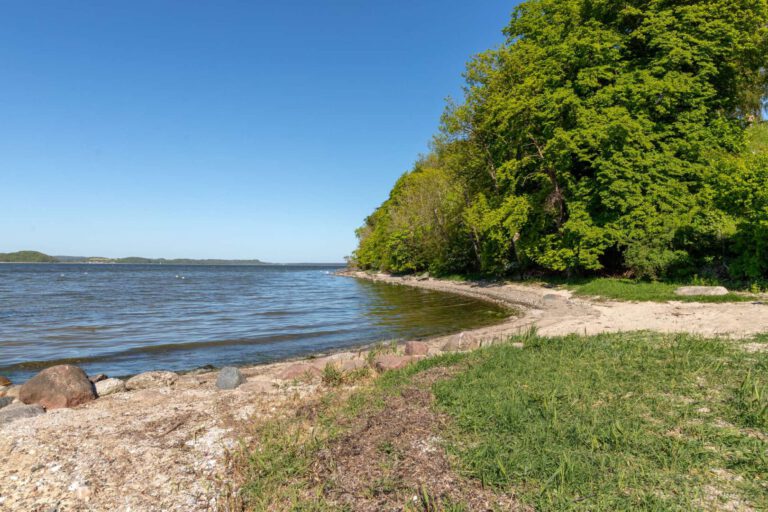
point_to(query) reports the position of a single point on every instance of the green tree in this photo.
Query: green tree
(592, 140)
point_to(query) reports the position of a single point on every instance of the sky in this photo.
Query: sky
(227, 129)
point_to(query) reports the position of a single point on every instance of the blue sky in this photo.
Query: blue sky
(231, 129)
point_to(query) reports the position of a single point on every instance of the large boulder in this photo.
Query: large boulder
(149, 380)
(693, 291)
(64, 385)
(109, 387)
(19, 411)
(229, 378)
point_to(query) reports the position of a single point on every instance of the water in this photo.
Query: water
(125, 319)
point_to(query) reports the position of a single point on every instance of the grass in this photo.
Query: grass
(615, 422)
(636, 421)
(632, 290)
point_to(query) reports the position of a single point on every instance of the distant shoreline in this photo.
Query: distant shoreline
(27, 256)
(171, 264)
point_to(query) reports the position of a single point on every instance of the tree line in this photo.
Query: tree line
(603, 136)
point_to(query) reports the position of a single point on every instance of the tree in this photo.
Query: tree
(589, 140)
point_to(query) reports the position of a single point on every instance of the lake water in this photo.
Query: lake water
(125, 319)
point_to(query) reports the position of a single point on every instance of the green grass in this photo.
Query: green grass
(614, 422)
(628, 289)
(634, 421)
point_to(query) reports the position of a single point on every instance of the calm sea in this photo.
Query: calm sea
(125, 319)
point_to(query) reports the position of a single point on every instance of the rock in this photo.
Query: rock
(299, 371)
(229, 378)
(519, 345)
(110, 387)
(20, 411)
(386, 362)
(13, 391)
(692, 291)
(416, 348)
(64, 385)
(98, 378)
(5, 381)
(351, 365)
(460, 342)
(6, 401)
(149, 380)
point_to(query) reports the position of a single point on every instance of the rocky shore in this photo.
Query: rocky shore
(160, 440)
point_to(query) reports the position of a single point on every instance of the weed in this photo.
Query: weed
(332, 375)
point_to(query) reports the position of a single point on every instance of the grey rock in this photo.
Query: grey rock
(109, 387)
(98, 378)
(17, 412)
(692, 291)
(229, 378)
(6, 401)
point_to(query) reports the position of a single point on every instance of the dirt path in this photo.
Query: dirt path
(165, 448)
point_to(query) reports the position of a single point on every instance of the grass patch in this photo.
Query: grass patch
(632, 290)
(615, 422)
(634, 421)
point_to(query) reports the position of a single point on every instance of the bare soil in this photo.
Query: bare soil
(392, 458)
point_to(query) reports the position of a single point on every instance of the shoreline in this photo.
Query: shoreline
(166, 447)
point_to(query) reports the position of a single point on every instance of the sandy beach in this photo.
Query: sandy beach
(166, 447)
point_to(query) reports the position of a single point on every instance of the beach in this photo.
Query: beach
(168, 446)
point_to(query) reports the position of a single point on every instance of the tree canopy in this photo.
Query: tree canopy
(601, 136)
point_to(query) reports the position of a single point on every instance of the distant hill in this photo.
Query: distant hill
(26, 257)
(39, 257)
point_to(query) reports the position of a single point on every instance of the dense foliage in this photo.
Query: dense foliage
(602, 136)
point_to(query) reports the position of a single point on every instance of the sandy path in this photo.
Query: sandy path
(165, 449)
